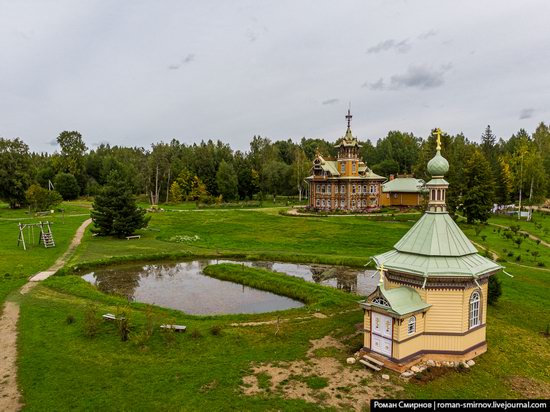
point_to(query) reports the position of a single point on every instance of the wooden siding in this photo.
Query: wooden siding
(446, 312)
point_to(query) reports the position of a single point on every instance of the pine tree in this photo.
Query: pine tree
(115, 211)
(478, 198)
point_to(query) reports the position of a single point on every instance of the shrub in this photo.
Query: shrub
(91, 321)
(123, 324)
(494, 290)
(216, 330)
(195, 333)
(70, 319)
(518, 258)
(39, 198)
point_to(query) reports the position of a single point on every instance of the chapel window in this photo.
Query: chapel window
(381, 301)
(411, 327)
(475, 301)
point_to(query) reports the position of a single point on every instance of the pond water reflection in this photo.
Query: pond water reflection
(184, 287)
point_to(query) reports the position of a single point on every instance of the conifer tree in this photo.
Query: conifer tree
(115, 211)
(479, 195)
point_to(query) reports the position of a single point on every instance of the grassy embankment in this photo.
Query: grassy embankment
(60, 368)
(16, 264)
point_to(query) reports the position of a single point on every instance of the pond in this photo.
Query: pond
(184, 287)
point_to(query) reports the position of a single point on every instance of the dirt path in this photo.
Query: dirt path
(10, 398)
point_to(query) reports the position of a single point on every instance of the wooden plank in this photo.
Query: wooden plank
(369, 365)
(110, 316)
(373, 361)
(133, 237)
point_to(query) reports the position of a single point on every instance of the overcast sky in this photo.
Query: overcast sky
(137, 72)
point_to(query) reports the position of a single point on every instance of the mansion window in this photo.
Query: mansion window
(336, 189)
(411, 327)
(317, 203)
(353, 167)
(395, 195)
(323, 203)
(343, 203)
(323, 189)
(364, 188)
(318, 188)
(475, 300)
(343, 167)
(353, 204)
(342, 189)
(353, 189)
(329, 189)
(364, 203)
(328, 203)
(372, 188)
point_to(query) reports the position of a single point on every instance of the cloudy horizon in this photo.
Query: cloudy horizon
(136, 73)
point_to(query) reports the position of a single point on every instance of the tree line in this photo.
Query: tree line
(494, 170)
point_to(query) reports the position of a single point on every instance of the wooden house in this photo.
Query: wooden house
(403, 191)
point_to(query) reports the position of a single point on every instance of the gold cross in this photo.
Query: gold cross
(438, 134)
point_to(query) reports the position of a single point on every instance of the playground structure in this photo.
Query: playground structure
(46, 234)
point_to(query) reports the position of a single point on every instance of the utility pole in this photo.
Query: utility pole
(520, 184)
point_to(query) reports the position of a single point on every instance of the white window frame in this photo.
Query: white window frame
(317, 203)
(343, 167)
(411, 326)
(381, 301)
(475, 310)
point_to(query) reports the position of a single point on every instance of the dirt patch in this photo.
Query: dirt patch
(27, 287)
(319, 380)
(529, 388)
(10, 399)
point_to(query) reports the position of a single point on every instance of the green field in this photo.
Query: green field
(60, 368)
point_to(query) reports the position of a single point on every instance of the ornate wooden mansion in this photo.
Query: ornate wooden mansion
(345, 183)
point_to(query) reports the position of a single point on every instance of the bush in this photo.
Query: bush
(39, 198)
(70, 319)
(67, 186)
(195, 333)
(494, 290)
(91, 321)
(216, 330)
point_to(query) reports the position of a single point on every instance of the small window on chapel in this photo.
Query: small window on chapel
(411, 327)
(475, 301)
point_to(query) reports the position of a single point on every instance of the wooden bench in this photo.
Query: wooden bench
(176, 328)
(133, 237)
(110, 316)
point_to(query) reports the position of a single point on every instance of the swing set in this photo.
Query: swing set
(45, 237)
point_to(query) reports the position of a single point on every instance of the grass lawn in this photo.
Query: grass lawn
(262, 234)
(60, 368)
(538, 226)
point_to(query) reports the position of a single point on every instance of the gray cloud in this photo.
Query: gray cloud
(427, 34)
(420, 77)
(526, 113)
(186, 60)
(402, 46)
(378, 85)
(251, 36)
(331, 101)
(53, 142)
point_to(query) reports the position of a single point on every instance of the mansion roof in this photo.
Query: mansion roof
(404, 185)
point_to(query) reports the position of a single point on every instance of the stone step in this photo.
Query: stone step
(374, 361)
(369, 365)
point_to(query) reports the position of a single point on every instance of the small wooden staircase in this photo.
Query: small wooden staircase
(371, 363)
(46, 236)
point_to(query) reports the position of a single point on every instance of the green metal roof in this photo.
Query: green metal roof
(435, 234)
(404, 184)
(435, 246)
(437, 182)
(402, 300)
(472, 265)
